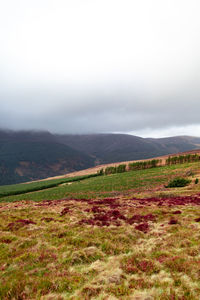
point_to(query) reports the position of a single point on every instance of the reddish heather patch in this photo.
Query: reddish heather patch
(61, 235)
(140, 218)
(108, 211)
(149, 217)
(197, 219)
(5, 241)
(96, 209)
(25, 221)
(51, 202)
(177, 212)
(3, 267)
(144, 227)
(173, 221)
(45, 203)
(170, 201)
(131, 269)
(145, 266)
(111, 202)
(64, 211)
(162, 258)
(19, 223)
(135, 219)
(103, 217)
(116, 214)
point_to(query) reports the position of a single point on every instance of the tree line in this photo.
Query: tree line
(147, 164)
(181, 159)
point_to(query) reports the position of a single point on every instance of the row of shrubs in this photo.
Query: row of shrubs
(182, 159)
(118, 169)
(141, 165)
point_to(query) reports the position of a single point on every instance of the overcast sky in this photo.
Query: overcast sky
(83, 66)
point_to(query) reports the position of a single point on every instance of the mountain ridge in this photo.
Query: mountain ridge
(34, 155)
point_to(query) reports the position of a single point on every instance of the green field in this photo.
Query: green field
(121, 236)
(92, 186)
(18, 189)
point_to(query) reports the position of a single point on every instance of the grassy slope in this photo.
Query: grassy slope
(65, 252)
(104, 186)
(17, 189)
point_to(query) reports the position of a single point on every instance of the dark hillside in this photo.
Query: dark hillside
(32, 155)
(24, 159)
(108, 148)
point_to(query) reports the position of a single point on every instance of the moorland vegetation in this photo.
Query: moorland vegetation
(121, 236)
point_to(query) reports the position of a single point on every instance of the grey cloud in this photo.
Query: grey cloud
(92, 70)
(98, 113)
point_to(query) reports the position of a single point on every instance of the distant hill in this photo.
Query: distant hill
(26, 156)
(108, 148)
(31, 155)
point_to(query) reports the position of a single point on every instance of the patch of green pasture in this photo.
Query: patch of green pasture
(16, 189)
(104, 186)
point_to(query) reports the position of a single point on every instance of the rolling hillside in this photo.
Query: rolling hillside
(27, 155)
(110, 148)
(123, 236)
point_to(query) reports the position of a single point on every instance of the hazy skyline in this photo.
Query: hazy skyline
(87, 66)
